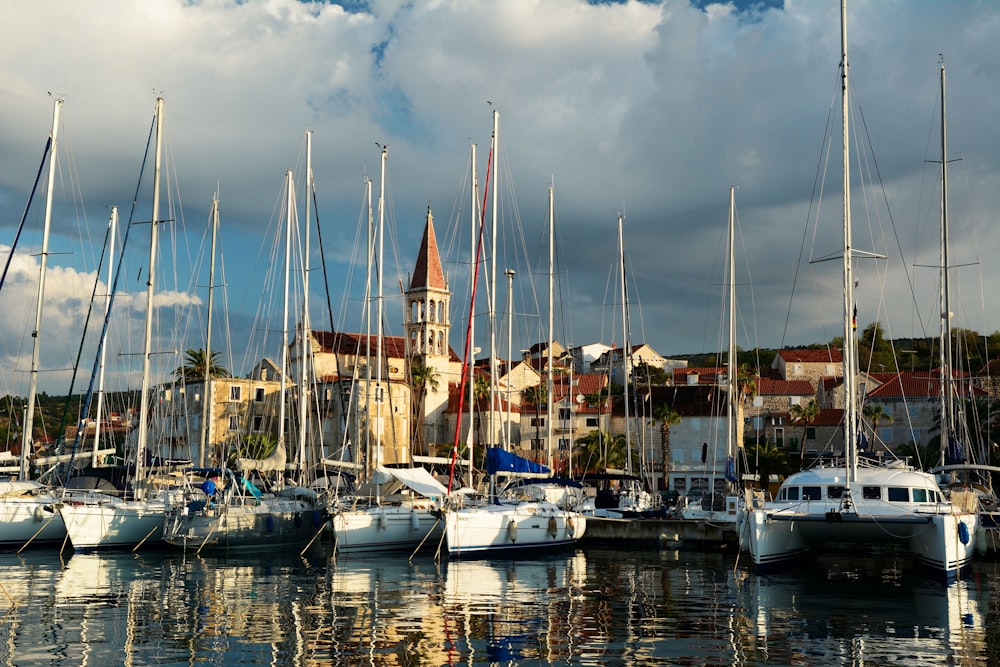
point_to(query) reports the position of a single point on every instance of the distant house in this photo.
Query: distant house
(808, 365)
(613, 363)
(585, 355)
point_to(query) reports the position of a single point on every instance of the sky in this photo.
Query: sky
(651, 110)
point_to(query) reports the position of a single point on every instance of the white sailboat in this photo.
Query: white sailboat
(531, 512)
(400, 511)
(96, 520)
(854, 502)
(960, 466)
(242, 517)
(708, 510)
(24, 502)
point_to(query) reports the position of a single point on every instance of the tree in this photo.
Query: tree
(766, 459)
(422, 378)
(874, 413)
(194, 366)
(599, 450)
(667, 417)
(645, 374)
(805, 415)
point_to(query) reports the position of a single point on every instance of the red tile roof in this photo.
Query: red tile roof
(922, 384)
(828, 356)
(769, 387)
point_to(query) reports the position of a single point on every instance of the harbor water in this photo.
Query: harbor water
(590, 606)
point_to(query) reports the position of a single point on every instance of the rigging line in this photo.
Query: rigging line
(114, 287)
(892, 221)
(27, 207)
(817, 185)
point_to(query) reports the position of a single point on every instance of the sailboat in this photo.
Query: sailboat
(707, 510)
(533, 511)
(97, 520)
(960, 467)
(25, 504)
(399, 513)
(855, 502)
(239, 516)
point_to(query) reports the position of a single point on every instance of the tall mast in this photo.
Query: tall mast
(112, 231)
(493, 277)
(474, 237)
(731, 357)
(379, 398)
(368, 453)
(510, 349)
(626, 348)
(947, 377)
(850, 363)
(207, 387)
(289, 216)
(304, 347)
(26, 439)
(548, 375)
(154, 229)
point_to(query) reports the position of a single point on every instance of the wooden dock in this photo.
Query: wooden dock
(661, 533)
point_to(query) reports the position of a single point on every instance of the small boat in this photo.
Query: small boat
(856, 502)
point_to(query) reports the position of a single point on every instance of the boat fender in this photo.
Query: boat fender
(963, 532)
(270, 523)
(512, 530)
(383, 521)
(981, 538)
(571, 527)
(298, 519)
(553, 526)
(39, 513)
(414, 521)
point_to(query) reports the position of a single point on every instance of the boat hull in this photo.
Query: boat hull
(108, 522)
(385, 528)
(271, 523)
(26, 515)
(508, 529)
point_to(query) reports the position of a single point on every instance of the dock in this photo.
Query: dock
(661, 533)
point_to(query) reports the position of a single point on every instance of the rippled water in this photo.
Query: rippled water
(588, 607)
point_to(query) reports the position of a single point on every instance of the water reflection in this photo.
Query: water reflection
(588, 607)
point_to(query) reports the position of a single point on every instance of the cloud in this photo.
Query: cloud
(651, 109)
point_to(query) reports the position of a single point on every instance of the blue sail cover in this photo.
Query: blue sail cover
(498, 460)
(731, 470)
(955, 453)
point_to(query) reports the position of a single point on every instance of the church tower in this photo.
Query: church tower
(427, 324)
(427, 302)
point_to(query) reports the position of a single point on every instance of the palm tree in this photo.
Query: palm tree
(599, 450)
(805, 415)
(767, 459)
(875, 412)
(667, 417)
(422, 378)
(194, 366)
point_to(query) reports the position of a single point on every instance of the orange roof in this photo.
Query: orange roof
(769, 387)
(923, 384)
(428, 272)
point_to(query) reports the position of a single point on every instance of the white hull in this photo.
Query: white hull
(268, 523)
(939, 536)
(385, 528)
(98, 521)
(27, 513)
(510, 528)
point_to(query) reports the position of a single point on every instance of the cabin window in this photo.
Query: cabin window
(235, 392)
(871, 492)
(811, 493)
(258, 394)
(791, 493)
(898, 494)
(835, 492)
(920, 495)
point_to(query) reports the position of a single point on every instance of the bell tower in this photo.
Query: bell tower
(427, 302)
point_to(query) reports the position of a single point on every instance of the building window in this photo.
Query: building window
(563, 444)
(258, 423)
(234, 423)
(235, 392)
(538, 421)
(592, 421)
(795, 400)
(565, 413)
(258, 394)
(810, 433)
